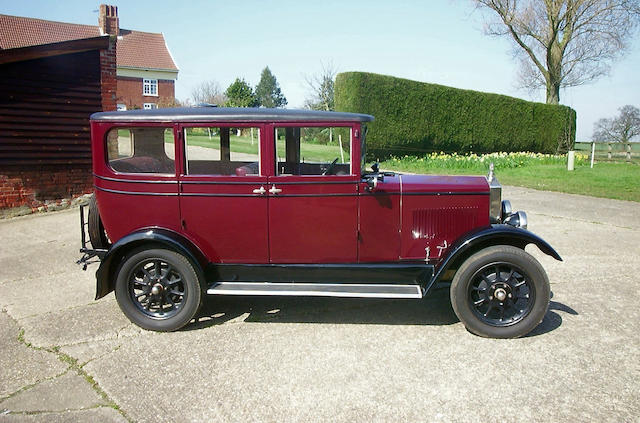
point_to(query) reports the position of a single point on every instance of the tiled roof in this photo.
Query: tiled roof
(136, 49)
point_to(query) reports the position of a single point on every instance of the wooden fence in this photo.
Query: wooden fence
(610, 151)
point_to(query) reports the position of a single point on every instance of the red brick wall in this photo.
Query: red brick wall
(32, 186)
(108, 76)
(129, 92)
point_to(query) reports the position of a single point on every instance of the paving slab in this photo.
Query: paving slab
(100, 414)
(70, 391)
(20, 365)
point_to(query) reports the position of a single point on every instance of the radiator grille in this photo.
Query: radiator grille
(443, 223)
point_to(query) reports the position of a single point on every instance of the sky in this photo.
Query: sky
(435, 41)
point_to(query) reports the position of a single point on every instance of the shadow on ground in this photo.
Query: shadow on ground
(433, 310)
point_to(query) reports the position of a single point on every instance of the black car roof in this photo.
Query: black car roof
(229, 114)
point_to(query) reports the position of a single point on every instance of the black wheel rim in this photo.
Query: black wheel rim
(156, 288)
(501, 294)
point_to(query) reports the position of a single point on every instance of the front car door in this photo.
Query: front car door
(313, 193)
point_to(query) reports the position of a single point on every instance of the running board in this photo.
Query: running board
(316, 289)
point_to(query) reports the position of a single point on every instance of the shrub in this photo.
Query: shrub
(414, 118)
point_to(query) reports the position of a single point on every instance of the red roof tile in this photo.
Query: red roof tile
(135, 49)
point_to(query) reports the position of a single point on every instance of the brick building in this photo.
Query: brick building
(53, 76)
(146, 72)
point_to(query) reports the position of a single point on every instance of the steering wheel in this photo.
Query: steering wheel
(330, 167)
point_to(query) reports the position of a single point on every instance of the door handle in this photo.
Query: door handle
(273, 190)
(260, 190)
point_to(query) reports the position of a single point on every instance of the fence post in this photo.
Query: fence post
(593, 152)
(629, 151)
(609, 151)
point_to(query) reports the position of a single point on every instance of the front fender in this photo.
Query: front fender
(498, 234)
(160, 236)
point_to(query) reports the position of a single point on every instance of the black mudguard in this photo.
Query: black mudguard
(498, 234)
(105, 275)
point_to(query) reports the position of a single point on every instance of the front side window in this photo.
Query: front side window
(141, 150)
(222, 151)
(150, 87)
(313, 150)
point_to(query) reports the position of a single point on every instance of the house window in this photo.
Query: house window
(121, 107)
(149, 106)
(150, 87)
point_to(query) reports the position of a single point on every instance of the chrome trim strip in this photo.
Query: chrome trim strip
(197, 194)
(138, 181)
(115, 191)
(314, 290)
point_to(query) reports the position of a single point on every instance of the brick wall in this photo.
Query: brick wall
(129, 92)
(37, 186)
(108, 81)
(46, 157)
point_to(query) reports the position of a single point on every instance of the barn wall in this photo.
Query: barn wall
(45, 104)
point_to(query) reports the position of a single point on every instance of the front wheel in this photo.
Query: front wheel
(500, 292)
(158, 289)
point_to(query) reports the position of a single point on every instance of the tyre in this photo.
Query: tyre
(97, 234)
(158, 289)
(500, 292)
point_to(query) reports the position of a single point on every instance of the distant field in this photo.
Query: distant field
(619, 181)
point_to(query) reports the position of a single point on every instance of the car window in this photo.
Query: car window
(141, 150)
(307, 150)
(222, 151)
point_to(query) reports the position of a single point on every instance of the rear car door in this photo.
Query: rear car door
(223, 202)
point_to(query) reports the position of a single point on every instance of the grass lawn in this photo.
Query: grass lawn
(619, 181)
(309, 152)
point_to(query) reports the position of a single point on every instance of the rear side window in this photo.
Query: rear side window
(141, 150)
(222, 151)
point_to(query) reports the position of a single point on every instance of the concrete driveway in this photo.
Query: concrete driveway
(65, 357)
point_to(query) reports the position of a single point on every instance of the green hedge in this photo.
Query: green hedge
(414, 117)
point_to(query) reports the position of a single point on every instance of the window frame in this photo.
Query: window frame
(353, 168)
(152, 106)
(152, 85)
(184, 154)
(129, 126)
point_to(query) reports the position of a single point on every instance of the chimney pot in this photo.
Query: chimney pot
(108, 20)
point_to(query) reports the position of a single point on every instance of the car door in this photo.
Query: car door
(223, 201)
(312, 202)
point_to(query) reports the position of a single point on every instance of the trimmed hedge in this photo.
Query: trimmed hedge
(414, 118)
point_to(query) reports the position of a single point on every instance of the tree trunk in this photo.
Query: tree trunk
(553, 93)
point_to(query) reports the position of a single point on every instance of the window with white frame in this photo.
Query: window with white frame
(148, 106)
(150, 87)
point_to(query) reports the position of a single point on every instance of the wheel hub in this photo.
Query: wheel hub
(500, 294)
(157, 289)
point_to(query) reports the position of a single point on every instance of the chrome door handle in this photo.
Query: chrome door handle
(274, 190)
(260, 190)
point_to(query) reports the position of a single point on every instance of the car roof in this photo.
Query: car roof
(228, 114)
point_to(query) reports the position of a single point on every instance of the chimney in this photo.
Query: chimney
(108, 20)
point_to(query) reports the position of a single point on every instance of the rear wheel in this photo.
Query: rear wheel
(158, 289)
(500, 292)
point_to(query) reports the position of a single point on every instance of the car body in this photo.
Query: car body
(278, 202)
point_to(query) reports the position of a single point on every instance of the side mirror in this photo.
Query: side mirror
(375, 167)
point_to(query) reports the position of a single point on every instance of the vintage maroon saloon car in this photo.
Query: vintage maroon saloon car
(231, 201)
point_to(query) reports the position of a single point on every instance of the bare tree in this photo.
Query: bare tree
(208, 92)
(563, 43)
(320, 88)
(622, 128)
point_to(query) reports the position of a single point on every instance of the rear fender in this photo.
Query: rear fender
(160, 237)
(482, 238)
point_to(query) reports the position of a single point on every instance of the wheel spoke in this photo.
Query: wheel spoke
(480, 301)
(167, 272)
(175, 281)
(156, 268)
(497, 271)
(488, 310)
